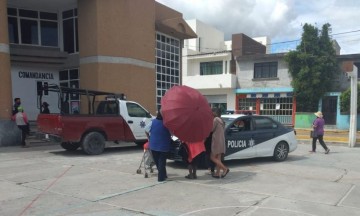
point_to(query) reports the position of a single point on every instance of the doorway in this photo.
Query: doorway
(329, 108)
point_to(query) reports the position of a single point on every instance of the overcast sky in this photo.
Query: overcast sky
(281, 20)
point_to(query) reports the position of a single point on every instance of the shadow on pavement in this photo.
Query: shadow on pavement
(107, 151)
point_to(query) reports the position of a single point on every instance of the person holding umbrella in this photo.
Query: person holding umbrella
(159, 144)
(218, 144)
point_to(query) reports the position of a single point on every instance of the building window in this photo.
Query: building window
(70, 103)
(221, 106)
(33, 27)
(70, 31)
(265, 70)
(211, 68)
(247, 105)
(276, 106)
(167, 54)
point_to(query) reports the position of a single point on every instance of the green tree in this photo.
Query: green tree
(312, 66)
(345, 100)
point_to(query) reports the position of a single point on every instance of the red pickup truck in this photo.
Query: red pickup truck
(113, 119)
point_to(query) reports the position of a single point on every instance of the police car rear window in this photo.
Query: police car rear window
(265, 123)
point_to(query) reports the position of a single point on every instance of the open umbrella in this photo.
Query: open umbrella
(186, 113)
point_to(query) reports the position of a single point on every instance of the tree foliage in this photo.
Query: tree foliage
(345, 100)
(312, 66)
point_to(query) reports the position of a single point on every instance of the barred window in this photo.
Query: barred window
(247, 105)
(167, 64)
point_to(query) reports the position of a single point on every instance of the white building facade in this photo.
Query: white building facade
(206, 65)
(238, 75)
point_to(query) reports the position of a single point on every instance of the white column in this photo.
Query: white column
(353, 107)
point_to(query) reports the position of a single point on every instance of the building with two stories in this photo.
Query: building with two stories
(123, 46)
(242, 76)
(93, 44)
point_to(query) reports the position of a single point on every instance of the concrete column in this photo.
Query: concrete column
(9, 133)
(353, 107)
(5, 73)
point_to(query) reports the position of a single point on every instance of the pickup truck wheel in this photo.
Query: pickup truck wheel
(70, 146)
(93, 143)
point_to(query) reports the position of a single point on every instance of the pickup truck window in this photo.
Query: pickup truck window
(135, 110)
(107, 108)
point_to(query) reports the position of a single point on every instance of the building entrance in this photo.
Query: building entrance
(329, 107)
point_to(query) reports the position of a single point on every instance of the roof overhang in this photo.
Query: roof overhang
(176, 27)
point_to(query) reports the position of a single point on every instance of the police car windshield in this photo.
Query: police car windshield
(227, 120)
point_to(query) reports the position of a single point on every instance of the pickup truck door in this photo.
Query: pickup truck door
(136, 117)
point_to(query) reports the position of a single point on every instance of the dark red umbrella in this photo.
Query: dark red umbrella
(186, 113)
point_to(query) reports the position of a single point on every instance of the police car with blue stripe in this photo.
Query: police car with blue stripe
(249, 136)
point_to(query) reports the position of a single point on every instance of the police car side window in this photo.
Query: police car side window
(264, 123)
(241, 125)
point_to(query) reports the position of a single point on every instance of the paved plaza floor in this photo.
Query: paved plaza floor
(46, 180)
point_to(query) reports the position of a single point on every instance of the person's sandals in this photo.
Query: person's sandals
(215, 176)
(327, 151)
(227, 171)
(210, 172)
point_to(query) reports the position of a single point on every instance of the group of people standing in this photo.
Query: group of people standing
(21, 119)
(160, 143)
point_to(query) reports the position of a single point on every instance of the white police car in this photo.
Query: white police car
(249, 136)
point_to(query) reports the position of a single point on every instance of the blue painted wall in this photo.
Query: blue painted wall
(342, 120)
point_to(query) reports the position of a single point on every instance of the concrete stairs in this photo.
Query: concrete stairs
(35, 137)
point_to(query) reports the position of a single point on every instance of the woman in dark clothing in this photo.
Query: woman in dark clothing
(159, 144)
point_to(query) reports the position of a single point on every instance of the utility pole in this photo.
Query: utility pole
(353, 106)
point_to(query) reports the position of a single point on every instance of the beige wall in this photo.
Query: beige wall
(139, 86)
(117, 28)
(122, 30)
(5, 75)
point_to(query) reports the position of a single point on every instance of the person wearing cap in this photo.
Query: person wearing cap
(45, 108)
(17, 103)
(318, 126)
(22, 122)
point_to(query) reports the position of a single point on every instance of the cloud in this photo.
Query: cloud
(281, 20)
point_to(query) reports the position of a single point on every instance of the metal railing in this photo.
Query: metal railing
(283, 119)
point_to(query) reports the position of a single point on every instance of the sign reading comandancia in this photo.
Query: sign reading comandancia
(24, 81)
(35, 75)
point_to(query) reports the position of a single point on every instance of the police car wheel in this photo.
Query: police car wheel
(281, 151)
